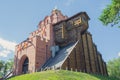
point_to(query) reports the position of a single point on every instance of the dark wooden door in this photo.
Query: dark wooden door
(25, 66)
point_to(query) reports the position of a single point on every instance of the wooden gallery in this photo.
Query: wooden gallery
(60, 42)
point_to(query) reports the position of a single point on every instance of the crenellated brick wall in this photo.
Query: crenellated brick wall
(37, 46)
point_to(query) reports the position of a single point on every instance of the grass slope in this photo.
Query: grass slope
(61, 75)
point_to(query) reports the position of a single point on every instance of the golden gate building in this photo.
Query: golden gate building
(59, 42)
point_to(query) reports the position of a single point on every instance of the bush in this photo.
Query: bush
(114, 67)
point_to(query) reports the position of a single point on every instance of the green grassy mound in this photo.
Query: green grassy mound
(61, 75)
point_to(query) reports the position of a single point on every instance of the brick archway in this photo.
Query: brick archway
(24, 64)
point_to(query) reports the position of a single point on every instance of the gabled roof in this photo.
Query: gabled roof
(60, 57)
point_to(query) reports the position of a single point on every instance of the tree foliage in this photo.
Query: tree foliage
(111, 14)
(5, 67)
(114, 68)
(1, 64)
(1, 67)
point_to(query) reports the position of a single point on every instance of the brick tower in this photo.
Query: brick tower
(32, 53)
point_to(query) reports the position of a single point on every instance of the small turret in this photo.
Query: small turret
(57, 15)
(55, 10)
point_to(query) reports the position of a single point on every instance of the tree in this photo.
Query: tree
(1, 64)
(5, 67)
(111, 14)
(1, 67)
(114, 68)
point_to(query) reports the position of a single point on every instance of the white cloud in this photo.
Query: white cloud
(4, 53)
(69, 2)
(9, 45)
(119, 54)
(6, 47)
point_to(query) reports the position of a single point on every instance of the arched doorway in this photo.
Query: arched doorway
(25, 66)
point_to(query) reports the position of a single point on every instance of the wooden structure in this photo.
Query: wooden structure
(84, 56)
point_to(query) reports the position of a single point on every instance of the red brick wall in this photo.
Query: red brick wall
(37, 42)
(21, 55)
(42, 52)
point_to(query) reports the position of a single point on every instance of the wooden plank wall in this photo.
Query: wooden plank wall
(100, 63)
(75, 59)
(85, 57)
(91, 52)
(86, 53)
(105, 68)
(106, 72)
(96, 59)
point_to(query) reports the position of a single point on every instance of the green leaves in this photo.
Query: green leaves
(111, 14)
(1, 64)
(5, 66)
(114, 68)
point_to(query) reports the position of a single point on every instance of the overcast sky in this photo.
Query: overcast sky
(19, 18)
